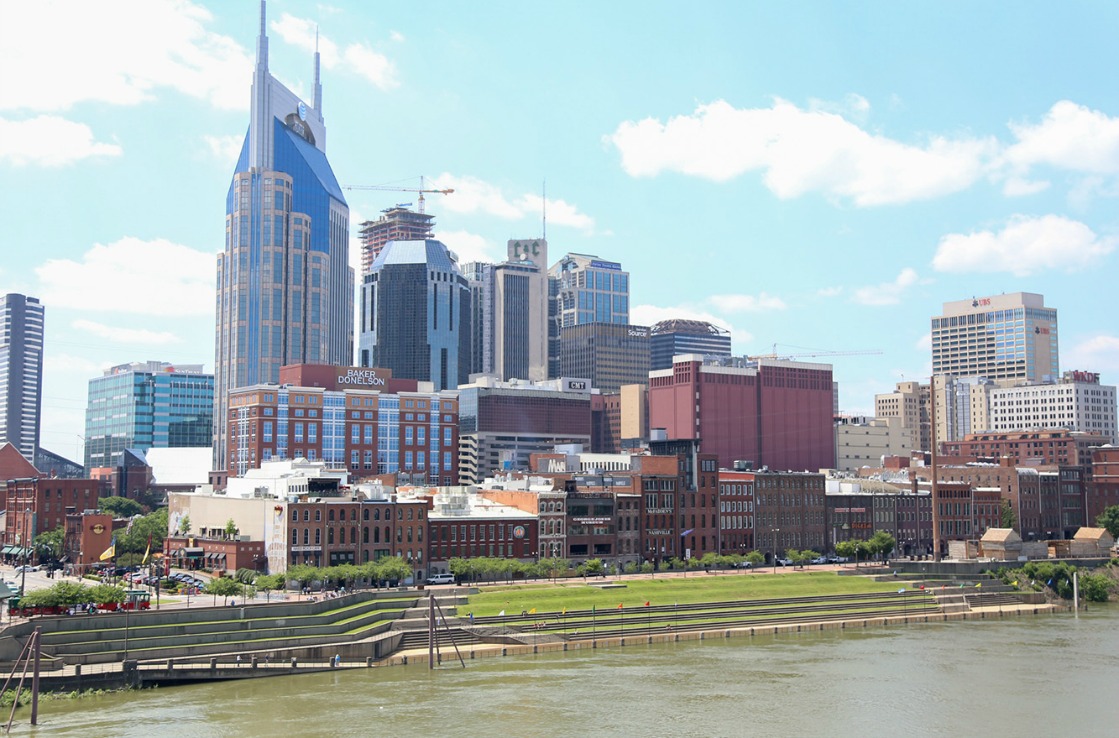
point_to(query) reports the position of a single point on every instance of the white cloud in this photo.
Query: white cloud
(119, 53)
(81, 366)
(800, 151)
(225, 148)
(1020, 186)
(471, 247)
(473, 195)
(1025, 246)
(834, 291)
(1095, 354)
(397, 37)
(48, 140)
(360, 59)
(1070, 136)
(924, 343)
(747, 303)
(118, 334)
(889, 293)
(131, 275)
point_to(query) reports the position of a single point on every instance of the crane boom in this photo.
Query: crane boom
(390, 188)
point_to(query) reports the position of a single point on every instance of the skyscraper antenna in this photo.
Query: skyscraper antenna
(318, 85)
(544, 209)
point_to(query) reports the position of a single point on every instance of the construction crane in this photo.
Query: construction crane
(815, 354)
(389, 188)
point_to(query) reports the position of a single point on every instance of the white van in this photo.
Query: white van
(441, 579)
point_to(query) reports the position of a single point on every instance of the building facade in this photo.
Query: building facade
(669, 338)
(611, 355)
(359, 419)
(21, 372)
(583, 289)
(775, 414)
(415, 314)
(1010, 336)
(145, 405)
(910, 403)
(501, 424)
(285, 289)
(1076, 402)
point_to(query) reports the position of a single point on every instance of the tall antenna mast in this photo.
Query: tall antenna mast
(544, 209)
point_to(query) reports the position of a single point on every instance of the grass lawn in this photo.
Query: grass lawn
(574, 594)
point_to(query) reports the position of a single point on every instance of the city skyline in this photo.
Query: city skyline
(852, 174)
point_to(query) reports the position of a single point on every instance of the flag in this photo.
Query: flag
(646, 603)
(978, 585)
(532, 611)
(689, 530)
(501, 614)
(592, 609)
(564, 611)
(619, 606)
(110, 552)
(901, 591)
(148, 553)
(921, 587)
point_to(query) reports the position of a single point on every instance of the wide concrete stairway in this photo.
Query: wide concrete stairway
(197, 632)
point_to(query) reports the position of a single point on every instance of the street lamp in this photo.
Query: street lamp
(775, 532)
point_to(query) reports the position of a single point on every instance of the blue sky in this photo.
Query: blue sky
(821, 176)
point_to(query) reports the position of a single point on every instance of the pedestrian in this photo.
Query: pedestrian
(337, 659)
(238, 660)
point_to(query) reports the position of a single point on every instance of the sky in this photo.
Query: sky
(816, 177)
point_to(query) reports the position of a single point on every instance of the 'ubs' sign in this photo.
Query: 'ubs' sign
(361, 378)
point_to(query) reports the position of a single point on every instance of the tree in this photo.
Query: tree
(1109, 519)
(151, 527)
(756, 558)
(120, 507)
(848, 549)
(223, 587)
(184, 525)
(49, 544)
(882, 544)
(1007, 518)
(230, 528)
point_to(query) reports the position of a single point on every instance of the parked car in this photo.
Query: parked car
(784, 562)
(441, 579)
(26, 567)
(820, 560)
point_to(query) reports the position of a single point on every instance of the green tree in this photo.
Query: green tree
(103, 594)
(184, 525)
(882, 544)
(49, 544)
(1095, 587)
(756, 558)
(269, 582)
(223, 587)
(230, 528)
(1007, 518)
(593, 567)
(120, 507)
(1109, 519)
(144, 528)
(848, 549)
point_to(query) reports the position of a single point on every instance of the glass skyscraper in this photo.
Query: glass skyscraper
(21, 372)
(284, 284)
(145, 405)
(415, 314)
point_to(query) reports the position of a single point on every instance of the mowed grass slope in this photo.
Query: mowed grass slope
(574, 594)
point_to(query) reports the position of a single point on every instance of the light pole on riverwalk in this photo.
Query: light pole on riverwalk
(775, 532)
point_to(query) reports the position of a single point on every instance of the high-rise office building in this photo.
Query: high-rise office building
(21, 372)
(583, 289)
(609, 354)
(415, 314)
(479, 278)
(285, 287)
(395, 224)
(145, 405)
(669, 338)
(1004, 337)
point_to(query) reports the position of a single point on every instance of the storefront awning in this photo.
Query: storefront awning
(194, 551)
(7, 549)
